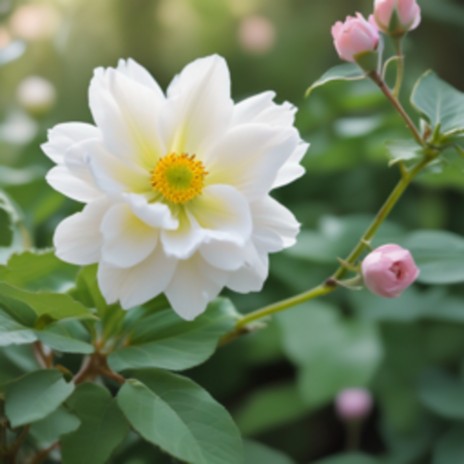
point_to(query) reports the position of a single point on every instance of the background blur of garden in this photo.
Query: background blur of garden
(279, 384)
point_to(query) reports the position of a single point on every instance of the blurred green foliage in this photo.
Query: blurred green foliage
(280, 383)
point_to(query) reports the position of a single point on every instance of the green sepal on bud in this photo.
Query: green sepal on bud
(367, 61)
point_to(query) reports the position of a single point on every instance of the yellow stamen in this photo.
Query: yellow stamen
(178, 178)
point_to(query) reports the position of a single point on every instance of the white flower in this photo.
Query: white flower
(176, 186)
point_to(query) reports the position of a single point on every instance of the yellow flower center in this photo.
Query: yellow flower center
(179, 178)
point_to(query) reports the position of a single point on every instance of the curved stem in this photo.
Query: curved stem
(331, 283)
(375, 76)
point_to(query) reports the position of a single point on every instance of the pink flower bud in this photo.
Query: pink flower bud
(353, 404)
(388, 270)
(355, 36)
(407, 16)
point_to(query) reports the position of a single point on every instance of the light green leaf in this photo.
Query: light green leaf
(11, 238)
(14, 333)
(48, 430)
(270, 407)
(341, 72)
(439, 103)
(164, 340)
(54, 305)
(179, 416)
(38, 270)
(403, 150)
(439, 255)
(449, 448)
(257, 453)
(102, 428)
(332, 352)
(442, 394)
(34, 396)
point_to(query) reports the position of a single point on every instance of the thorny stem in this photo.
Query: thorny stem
(364, 242)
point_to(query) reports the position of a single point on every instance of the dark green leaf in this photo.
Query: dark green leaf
(48, 430)
(176, 414)
(270, 407)
(164, 340)
(442, 394)
(350, 458)
(59, 338)
(341, 72)
(332, 352)
(439, 103)
(34, 396)
(257, 453)
(102, 428)
(450, 447)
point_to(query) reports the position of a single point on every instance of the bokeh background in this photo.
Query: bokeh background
(280, 383)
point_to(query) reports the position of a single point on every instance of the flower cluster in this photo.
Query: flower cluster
(358, 36)
(176, 186)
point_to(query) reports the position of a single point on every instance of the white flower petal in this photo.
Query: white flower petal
(252, 275)
(182, 242)
(138, 284)
(65, 182)
(126, 239)
(63, 136)
(200, 106)
(77, 238)
(223, 255)
(127, 113)
(292, 169)
(275, 226)
(262, 109)
(193, 286)
(156, 215)
(223, 213)
(249, 157)
(130, 68)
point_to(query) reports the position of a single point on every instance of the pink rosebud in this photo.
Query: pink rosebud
(353, 404)
(408, 16)
(354, 37)
(388, 270)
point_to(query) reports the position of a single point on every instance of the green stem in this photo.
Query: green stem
(331, 283)
(399, 67)
(375, 76)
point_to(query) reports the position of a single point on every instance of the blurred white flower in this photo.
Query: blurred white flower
(36, 95)
(176, 186)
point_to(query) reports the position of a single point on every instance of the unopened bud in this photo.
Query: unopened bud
(396, 17)
(353, 404)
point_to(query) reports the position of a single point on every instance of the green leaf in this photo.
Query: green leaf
(442, 394)
(270, 407)
(48, 430)
(15, 361)
(164, 340)
(102, 428)
(439, 255)
(38, 270)
(14, 333)
(350, 458)
(54, 305)
(449, 448)
(332, 352)
(11, 238)
(439, 103)
(257, 453)
(59, 338)
(180, 417)
(34, 396)
(341, 72)
(403, 150)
